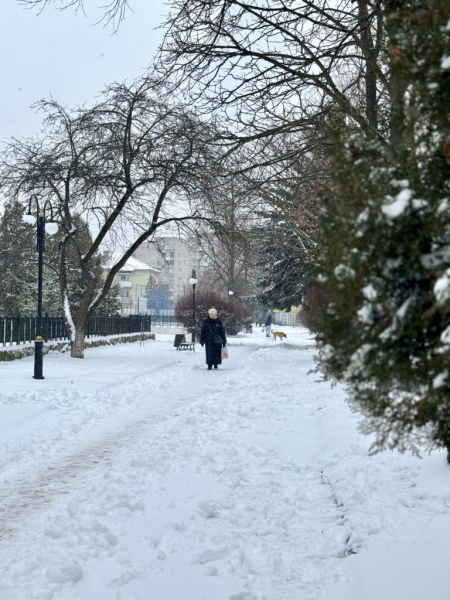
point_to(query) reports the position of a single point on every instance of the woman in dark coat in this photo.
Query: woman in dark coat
(213, 335)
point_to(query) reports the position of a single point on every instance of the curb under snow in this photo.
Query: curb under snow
(8, 354)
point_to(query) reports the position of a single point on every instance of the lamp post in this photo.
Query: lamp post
(193, 282)
(51, 228)
(230, 293)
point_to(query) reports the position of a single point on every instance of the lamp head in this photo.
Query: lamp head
(51, 228)
(30, 219)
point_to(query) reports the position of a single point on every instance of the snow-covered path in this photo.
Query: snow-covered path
(137, 474)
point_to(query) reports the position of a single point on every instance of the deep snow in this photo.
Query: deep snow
(137, 474)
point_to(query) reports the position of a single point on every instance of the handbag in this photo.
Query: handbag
(224, 352)
(216, 338)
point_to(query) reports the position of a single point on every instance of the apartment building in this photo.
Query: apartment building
(175, 260)
(133, 280)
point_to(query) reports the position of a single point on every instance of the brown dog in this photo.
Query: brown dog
(279, 334)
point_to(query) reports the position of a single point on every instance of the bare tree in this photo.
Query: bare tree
(276, 66)
(231, 204)
(113, 12)
(288, 60)
(272, 67)
(128, 166)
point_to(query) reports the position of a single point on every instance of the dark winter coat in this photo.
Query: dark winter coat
(268, 320)
(212, 328)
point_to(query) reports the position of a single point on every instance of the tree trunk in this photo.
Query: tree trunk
(370, 75)
(83, 313)
(398, 82)
(77, 345)
(77, 331)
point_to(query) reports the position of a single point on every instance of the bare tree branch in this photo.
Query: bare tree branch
(133, 163)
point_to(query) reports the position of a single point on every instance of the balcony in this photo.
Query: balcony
(125, 284)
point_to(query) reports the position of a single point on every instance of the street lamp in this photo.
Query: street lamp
(230, 293)
(193, 282)
(42, 213)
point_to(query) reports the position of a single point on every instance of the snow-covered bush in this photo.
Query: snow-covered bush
(385, 242)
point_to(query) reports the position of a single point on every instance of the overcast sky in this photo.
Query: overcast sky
(69, 57)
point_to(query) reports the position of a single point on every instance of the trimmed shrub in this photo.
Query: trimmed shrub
(234, 315)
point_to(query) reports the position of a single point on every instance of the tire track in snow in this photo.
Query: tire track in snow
(20, 500)
(27, 498)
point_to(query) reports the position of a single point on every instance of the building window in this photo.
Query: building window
(124, 277)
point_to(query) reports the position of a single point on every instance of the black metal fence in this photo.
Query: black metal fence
(165, 321)
(20, 330)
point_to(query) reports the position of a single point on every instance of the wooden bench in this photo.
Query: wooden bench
(181, 343)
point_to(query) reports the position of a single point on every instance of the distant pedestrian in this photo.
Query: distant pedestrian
(213, 336)
(268, 325)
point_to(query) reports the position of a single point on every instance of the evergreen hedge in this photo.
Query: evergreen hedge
(385, 242)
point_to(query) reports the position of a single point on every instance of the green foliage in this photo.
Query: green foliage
(285, 239)
(283, 264)
(18, 274)
(76, 246)
(385, 244)
(18, 267)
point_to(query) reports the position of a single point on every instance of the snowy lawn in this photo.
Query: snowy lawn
(137, 474)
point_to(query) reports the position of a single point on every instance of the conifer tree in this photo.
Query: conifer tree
(285, 262)
(286, 237)
(385, 242)
(17, 273)
(78, 244)
(18, 267)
